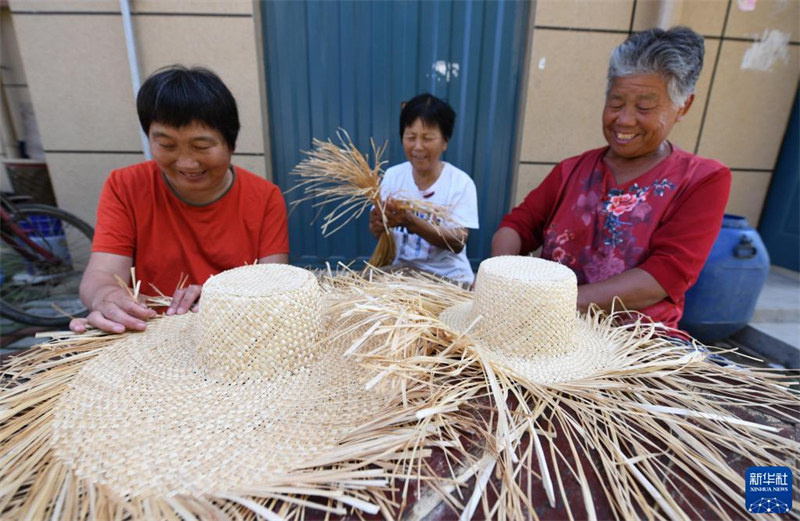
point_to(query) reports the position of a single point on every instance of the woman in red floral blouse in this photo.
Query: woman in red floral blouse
(635, 219)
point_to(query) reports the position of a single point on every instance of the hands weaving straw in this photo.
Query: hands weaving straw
(342, 176)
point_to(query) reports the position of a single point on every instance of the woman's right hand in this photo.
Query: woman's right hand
(111, 305)
(376, 227)
(116, 312)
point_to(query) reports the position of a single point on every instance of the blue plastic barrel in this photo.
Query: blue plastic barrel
(47, 232)
(724, 298)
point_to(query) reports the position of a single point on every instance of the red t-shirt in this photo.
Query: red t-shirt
(140, 217)
(664, 222)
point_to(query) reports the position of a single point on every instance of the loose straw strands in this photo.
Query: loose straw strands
(663, 419)
(162, 300)
(341, 176)
(359, 473)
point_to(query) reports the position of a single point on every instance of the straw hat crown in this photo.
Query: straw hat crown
(524, 315)
(259, 323)
(525, 305)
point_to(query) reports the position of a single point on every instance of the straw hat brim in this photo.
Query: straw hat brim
(589, 354)
(143, 417)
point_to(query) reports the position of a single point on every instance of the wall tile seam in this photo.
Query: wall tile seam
(750, 40)
(714, 37)
(581, 29)
(714, 70)
(143, 13)
(632, 21)
(137, 152)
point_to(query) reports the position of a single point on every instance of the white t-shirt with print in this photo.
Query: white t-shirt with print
(455, 189)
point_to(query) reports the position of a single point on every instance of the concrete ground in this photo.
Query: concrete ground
(778, 308)
(773, 333)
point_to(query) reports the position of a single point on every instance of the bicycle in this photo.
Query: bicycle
(43, 254)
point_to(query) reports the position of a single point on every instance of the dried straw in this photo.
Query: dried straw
(341, 176)
(664, 419)
(663, 422)
(359, 472)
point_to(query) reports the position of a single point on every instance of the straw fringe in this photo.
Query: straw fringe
(359, 474)
(662, 419)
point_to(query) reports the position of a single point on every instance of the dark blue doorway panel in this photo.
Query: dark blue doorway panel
(780, 221)
(350, 64)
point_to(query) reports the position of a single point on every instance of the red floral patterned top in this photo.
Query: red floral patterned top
(664, 222)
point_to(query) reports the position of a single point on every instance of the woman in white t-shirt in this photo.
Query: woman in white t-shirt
(426, 124)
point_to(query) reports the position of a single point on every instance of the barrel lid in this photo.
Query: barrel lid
(734, 221)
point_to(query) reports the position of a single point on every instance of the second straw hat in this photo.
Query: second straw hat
(523, 315)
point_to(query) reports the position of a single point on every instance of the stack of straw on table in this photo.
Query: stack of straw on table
(247, 408)
(286, 397)
(645, 425)
(629, 408)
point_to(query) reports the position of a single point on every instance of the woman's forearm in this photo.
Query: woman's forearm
(636, 289)
(102, 277)
(452, 239)
(506, 241)
(96, 285)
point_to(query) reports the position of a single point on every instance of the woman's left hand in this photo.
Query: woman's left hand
(396, 216)
(185, 299)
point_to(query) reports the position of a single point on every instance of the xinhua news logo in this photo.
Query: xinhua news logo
(768, 490)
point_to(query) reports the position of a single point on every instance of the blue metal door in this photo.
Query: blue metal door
(350, 64)
(780, 220)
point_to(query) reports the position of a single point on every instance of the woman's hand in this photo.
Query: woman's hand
(636, 288)
(452, 239)
(111, 306)
(115, 312)
(185, 299)
(376, 227)
(396, 216)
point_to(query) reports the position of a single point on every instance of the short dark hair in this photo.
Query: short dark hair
(433, 112)
(177, 96)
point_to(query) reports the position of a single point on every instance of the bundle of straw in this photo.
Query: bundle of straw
(342, 176)
(665, 429)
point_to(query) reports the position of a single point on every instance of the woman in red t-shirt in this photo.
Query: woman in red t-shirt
(183, 216)
(635, 220)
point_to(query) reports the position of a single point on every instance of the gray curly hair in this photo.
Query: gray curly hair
(675, 54)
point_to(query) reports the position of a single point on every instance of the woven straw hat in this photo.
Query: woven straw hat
(247, 394)
(524, 316)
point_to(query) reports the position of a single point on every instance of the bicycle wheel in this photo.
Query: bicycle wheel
(42, 288)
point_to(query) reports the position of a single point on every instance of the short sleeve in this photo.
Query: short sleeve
(465, 206)
(115, 231)
(530, 217)
(274, 230)
(681, 243)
